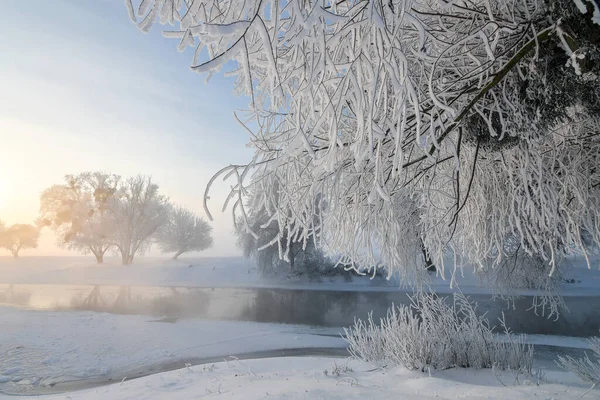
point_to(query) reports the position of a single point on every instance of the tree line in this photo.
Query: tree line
(98, 212)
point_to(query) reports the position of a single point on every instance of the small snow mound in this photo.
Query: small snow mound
(11, 371)
(50, 360)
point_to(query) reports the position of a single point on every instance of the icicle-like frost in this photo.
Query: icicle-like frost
(368, 107)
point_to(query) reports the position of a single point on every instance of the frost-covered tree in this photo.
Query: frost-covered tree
(300, 259)
(184, 232)
(255, 242)
(432, 129)
(3, 238)
(138, 211)
(258, 237)
(18, 237)
(78, 211)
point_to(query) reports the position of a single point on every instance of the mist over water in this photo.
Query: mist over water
(328, 308)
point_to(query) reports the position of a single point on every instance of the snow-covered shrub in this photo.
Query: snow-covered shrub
(585, 368)
(337, 370)
(434, 333)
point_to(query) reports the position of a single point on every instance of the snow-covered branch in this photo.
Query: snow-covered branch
(457, 127)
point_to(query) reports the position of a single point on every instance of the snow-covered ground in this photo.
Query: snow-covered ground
(235, 272)
(52, 351)
(326, 378)
(57, 351)
(39, 348)
(305, 378)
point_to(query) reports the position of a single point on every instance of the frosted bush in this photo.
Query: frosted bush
(585, 368)
(433, 333)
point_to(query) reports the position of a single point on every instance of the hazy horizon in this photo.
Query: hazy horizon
(93, 93)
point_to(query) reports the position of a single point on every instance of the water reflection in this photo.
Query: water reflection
(155, 301)
(16, 297)
(308, 307)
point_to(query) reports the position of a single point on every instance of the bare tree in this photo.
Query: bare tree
(476, 119)
(78, 212)
(184, 232)
(19, 236)
(138, 211)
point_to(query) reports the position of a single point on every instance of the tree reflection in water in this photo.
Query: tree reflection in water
(15, 296)
(308, 307)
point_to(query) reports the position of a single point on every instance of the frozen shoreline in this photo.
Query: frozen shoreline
(166, 366)
(44, 352)
(43, 349)
(237, 272)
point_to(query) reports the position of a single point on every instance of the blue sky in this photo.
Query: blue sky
(84, 89)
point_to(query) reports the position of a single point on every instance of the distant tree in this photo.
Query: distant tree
(184, 232)
(19, 236)
(78, 211)
(138, 212)
(2, 232)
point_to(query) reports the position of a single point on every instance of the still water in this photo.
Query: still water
(328, 308)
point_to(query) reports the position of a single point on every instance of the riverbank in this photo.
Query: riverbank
(238, 272)
(44, 352)
(42, 349)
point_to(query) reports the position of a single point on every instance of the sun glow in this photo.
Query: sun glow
(5, 189)
(22, 172)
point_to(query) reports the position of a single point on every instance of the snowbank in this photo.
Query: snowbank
(43, 351)
(325, 378)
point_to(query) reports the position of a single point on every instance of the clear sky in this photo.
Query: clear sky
(82, 89)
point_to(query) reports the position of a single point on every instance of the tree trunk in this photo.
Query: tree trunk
(429, 266)
(177, 255)
(99, 257)
(292, 258)
(126, 259)
(15, 253)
